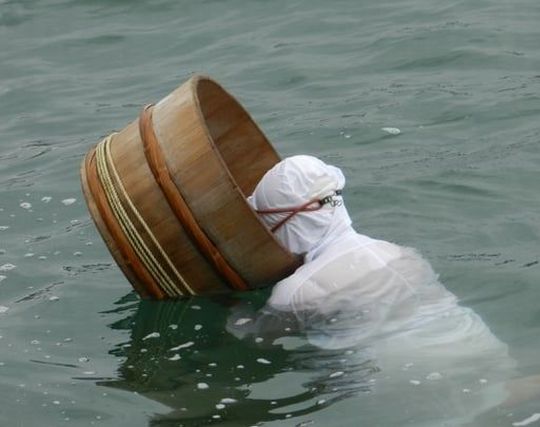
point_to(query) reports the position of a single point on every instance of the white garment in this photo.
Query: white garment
(354, 289)
(335, 255)
(381, 301)
(293, 182)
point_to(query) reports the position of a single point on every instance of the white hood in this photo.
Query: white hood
(292, 182)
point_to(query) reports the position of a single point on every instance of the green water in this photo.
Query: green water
(461, 80)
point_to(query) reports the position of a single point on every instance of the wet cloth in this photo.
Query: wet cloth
(370, 298)
(353, 289)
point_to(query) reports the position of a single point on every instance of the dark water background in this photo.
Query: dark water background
(460, 79)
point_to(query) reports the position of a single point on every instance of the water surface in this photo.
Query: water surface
(459, 183)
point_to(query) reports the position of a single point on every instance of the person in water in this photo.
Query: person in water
(390, 290)
(357, 292)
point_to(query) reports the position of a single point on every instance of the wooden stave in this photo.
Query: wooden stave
(214, 196)
(267, 247)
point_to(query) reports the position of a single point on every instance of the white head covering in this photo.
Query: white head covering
(293, 182)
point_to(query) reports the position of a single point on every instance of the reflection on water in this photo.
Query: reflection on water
(176, 352)
(217, 361)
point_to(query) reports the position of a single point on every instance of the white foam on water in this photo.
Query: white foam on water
(46, 199)
(415, 382)
(26, 205)
(152, 335)
(533, 418)
(173, 326)
(4, 227)
(391, 131)
(336, 374)
(242, 321)
(228, 400)
(197, 327)
(175, 357)
(7, 267)
(434, 376)
(263, 361)
(69, 201)
(181, 346)
(3, 309)
(203, 386)
(2, 278)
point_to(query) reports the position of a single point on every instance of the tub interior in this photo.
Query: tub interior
(241, 144)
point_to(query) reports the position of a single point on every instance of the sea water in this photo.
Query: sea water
(431, 108)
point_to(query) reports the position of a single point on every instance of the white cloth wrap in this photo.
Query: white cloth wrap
(291, 183)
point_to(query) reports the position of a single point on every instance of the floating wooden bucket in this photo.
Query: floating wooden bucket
(168, 195)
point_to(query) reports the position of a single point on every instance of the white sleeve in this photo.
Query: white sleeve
(297, 296)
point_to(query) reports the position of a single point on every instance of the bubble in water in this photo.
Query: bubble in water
(202, 386)
(26, 205)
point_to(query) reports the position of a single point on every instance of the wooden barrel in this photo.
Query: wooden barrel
(168, 195)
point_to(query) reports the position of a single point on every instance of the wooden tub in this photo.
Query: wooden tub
(168, 195)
